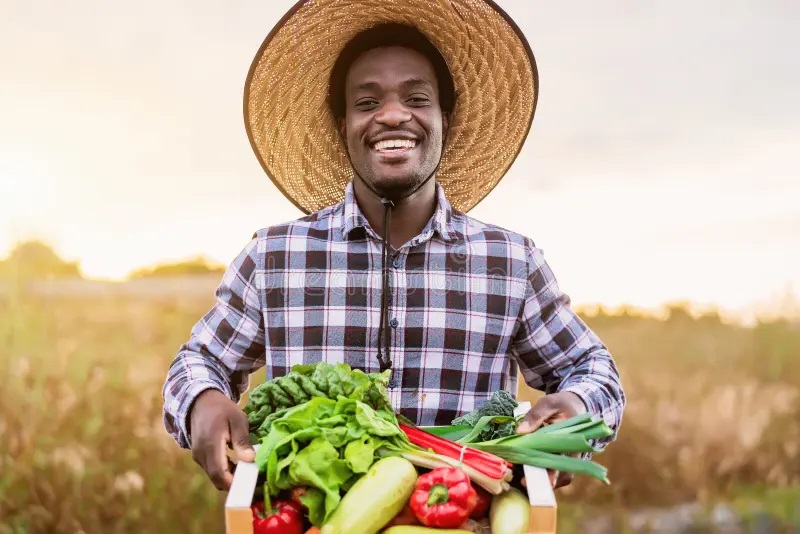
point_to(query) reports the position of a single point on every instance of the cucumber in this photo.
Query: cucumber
(413, 529)
(374, 499)
(510, 513)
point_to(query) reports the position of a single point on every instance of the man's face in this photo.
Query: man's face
(393, 125)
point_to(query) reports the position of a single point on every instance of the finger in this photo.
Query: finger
(564, 479)
(553, 476)
(225, 475)
(240, 437)
(207, 457)
(215, 462)
(536, 417)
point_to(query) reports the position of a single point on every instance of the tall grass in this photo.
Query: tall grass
(83, 448)
(713, 408)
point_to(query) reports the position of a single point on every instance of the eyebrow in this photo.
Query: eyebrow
(411, 82)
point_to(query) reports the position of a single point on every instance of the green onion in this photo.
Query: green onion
(567, 423)
(557, 462)
(557, 443)
(546, 447)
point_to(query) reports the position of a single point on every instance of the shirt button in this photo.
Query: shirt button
(393, 323)
(393, 383)
(396, 263)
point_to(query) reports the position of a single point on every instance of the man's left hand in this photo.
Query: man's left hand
(552, 409)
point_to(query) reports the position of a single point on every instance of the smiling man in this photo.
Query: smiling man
(392, 120)
(386, 134)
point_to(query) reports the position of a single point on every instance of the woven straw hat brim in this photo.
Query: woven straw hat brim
(294, 135)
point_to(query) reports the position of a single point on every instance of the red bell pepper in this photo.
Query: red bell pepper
(443, 498)
(482, 507)
(296, 496)
(285, 517)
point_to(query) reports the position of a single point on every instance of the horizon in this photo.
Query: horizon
(784, 306)
(657, 169)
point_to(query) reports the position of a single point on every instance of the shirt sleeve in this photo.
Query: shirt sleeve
(557, 351)
(225, 346)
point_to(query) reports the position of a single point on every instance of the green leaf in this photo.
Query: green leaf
(307, 414)
(556, 443)
(451, 432)
(484, 422)
(574, 420)
(601, 430)
(292, 388)
(550, 461)
(354, 430)
(314, 500)
(360, 454)
(375, 425)
(318, 465)
(338, 437)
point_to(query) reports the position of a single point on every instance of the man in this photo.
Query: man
(393, 275)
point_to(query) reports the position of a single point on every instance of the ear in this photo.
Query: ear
(343, 129)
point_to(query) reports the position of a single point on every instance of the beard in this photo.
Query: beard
(395, 182)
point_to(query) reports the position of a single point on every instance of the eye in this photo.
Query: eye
(366, 104)
(418, 100)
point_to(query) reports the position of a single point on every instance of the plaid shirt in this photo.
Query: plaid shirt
(471, 305)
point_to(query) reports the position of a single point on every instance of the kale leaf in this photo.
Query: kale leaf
(501, 403)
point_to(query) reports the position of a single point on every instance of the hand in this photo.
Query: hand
(552, 409)
(216, 422)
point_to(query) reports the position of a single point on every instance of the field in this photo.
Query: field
(712, 418)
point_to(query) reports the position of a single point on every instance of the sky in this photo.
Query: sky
(662, 164)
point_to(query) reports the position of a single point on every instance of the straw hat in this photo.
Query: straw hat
(294, 135)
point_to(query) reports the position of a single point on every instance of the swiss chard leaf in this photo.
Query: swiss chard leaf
(314, 500)
(324, 445)
(360, 454)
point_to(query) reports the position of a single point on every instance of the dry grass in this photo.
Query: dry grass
(712, 408)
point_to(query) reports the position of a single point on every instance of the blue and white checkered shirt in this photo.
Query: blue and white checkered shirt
(471, 304)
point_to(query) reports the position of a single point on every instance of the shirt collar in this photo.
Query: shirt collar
(441, 223)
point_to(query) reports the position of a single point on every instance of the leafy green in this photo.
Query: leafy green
(271, 400)
(451, 432)
(547, 446)
(502, 403)
(359, 454)
(314, 500)
(325, 445)
(499, 421)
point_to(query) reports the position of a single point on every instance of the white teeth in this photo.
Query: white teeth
(395, 143)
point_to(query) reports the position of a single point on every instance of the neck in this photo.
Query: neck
(409, 214)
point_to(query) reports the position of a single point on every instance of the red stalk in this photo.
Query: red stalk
(483, 462)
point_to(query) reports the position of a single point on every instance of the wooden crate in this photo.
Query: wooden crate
(239, 518)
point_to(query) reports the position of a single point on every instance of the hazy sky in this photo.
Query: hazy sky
(662, 163)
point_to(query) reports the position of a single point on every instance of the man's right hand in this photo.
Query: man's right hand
(215, 423)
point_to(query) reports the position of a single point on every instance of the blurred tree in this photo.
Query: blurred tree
(192, 267)
(36, 260)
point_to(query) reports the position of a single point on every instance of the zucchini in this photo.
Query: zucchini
(510, 513)
(374, 499)
(413, 529)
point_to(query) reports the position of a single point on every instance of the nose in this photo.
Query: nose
(393, 114)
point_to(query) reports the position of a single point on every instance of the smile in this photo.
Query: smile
(392, 145)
